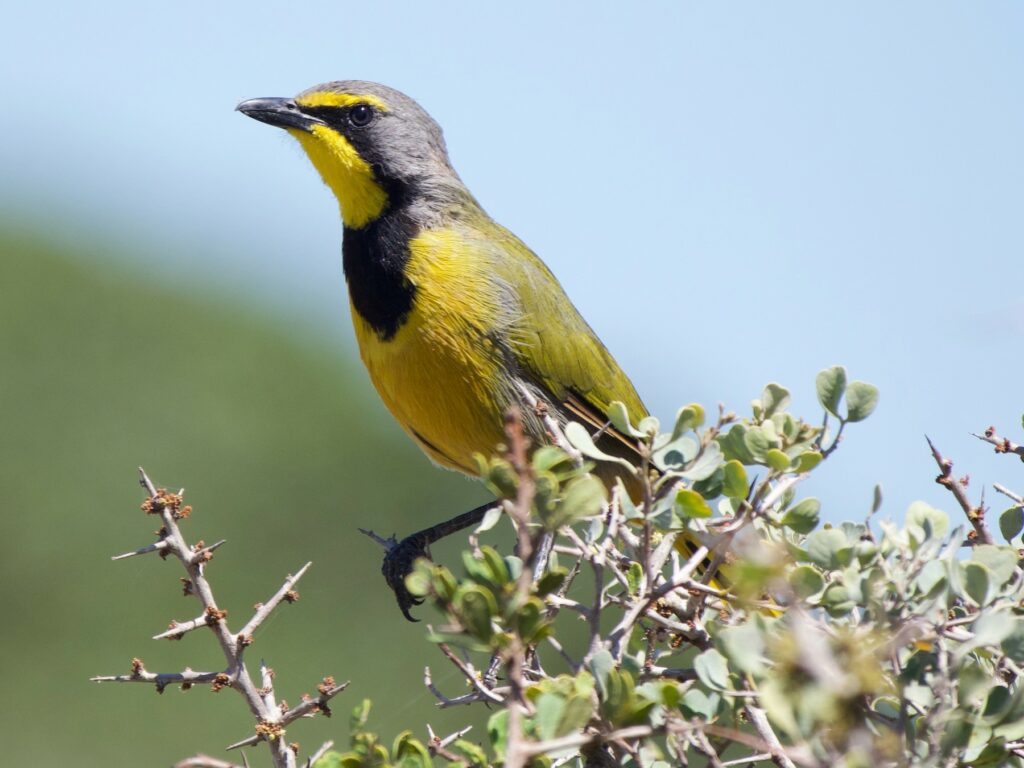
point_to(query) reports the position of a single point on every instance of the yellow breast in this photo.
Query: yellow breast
(441, 375)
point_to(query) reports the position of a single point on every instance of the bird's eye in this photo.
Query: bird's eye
(360, 115)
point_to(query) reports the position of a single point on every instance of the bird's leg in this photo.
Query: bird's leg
(400, 556)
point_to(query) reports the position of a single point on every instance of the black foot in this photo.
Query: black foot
(398, 564)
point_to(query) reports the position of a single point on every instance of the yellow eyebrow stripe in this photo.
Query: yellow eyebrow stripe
(334, 99)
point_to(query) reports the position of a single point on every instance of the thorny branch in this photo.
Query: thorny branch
(958, 487)
(1001, 444)
(270, 719)
(523, 665)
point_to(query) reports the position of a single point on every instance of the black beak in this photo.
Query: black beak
(283, 113)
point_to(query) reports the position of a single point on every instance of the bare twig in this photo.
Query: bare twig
(554, 429)
(320, 752)
(470, 674)
(1001, 444)
(311, 706)
(975, 515)
(270, 721)
(161, 680)
(1014, 497)
(764, 729)
(205, 761)
(286, 592)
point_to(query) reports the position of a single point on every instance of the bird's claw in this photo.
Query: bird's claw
(398, 563)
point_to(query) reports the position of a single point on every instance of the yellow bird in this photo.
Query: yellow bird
(453, 314)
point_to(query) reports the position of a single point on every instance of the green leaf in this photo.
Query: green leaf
(619, 417)
(925, 522)
(806, 581)
(579, 710)
(744, 646)
(690, 504)
(734, 480)
(634, 577)
(734, 445)
(1013, 644)
(676, 453)
(1001, 561)
(584, 496)
(977, 582)
(474, 755)
(804, 517)
(442, 580)
(831, 383)
(410, 752)
(876, 499)
(620, 702)
(689, 417)
(670, 694)
(777, 460)
(837, 599)
(993, 628)
(697, 703)
(712, 669)
(1011, 523)
(807, 461)
(549, 457)
(548, 715)
(956, 733)
(360, 714)
(476, 608)
(496, 566)
(600, 665)
(931, 577)
(418, 582)
(829, 548)
(649, 425)
(580, 439)
(497, 732)
(551, 580)
(861, 400)
(490, 519)
(774, 399)
(758, 442)
(530, 621)
(705, 465)
(500, 478)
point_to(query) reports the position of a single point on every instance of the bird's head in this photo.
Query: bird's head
(371, 144)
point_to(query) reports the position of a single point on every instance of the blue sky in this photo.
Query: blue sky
(731, 193)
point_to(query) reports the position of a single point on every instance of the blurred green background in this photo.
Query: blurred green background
(283, 449)
(731, 194)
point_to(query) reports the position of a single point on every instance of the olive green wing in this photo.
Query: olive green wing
(554, 345)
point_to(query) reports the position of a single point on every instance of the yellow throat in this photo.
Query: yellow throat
(360, 197)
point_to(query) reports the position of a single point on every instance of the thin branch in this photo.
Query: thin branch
(320, 752)
(764, 729)
(180, 629)
(532, 748)
(308, 707)
(975, 515)
(286, 592)
(755, 758)
(205, 761)
(470, 674)
(270, 721)
(1001, 444)
(160, 679)
(468, 698)
(551, 424)
(1014, 497)
(160, 546)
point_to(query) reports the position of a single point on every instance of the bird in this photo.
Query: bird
(457, 320)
